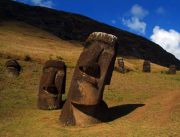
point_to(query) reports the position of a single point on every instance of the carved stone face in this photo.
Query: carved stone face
(146, 66)
(172, 69)
(52, 84)
(93, 71)
(13, 68)
(121, 65)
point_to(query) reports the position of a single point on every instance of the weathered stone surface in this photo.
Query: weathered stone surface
(172, 69)
(146, 66)
(12, 68)
(52, 85)
(93, 71)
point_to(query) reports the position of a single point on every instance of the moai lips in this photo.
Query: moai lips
(12, 68)
(93, 71)
(146, 66)
(52, 85)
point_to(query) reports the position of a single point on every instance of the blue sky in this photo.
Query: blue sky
(157, 20)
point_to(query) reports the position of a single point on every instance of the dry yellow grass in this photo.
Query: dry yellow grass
(19, 39)
(143, 105)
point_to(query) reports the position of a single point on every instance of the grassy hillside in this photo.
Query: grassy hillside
(18, 40)
(143, 105)
(76, 27)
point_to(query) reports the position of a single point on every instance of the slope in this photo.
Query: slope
(76, 27)
(18, 40)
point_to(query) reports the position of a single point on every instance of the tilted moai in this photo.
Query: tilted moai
(172, 69)
(52, 85)
(121, 66)
(147, 66)
(12, 68)
(93, 71)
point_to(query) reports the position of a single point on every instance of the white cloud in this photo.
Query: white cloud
(167, 39)
(113, 21)
(135, 21)
(135, 24)
(43, 3)
(138, 11)
(160, 10)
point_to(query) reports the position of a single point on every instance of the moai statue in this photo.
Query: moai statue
(146, 66)
(93, 71)
(52, 85)
(172, 69)
(12, 68)
(121, 66)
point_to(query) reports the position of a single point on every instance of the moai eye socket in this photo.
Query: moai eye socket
(91, 70)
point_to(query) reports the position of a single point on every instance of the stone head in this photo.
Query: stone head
(147, 66)
(121, 66)
(52, 84)
(94, 69)
(172, 69)
(13, 68)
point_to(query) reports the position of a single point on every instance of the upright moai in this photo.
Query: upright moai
(172, 69)
(121, 66)
(52, 85)
(93, 71)
(146, 66)
(12, 68)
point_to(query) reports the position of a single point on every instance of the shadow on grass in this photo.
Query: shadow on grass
(62, 104)
(113, 113)
(122, 110)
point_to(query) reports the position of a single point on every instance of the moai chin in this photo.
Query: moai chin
(84, 105)
(172, 69)
(12, 68)
(121, 66)
(52, 85)
(146, 66)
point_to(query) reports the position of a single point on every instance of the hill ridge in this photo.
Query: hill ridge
(70, 26)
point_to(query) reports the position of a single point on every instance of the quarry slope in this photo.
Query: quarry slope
(69, 26)
(19, 40)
